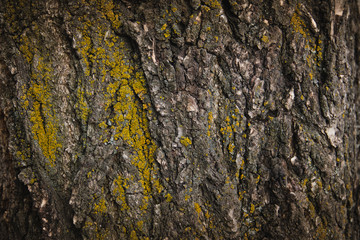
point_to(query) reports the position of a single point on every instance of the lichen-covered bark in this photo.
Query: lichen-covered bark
(179, 119)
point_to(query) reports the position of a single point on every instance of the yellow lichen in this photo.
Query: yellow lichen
(265, 39)
(252, 208)
(185, 141)
(187, 197)
(124, 94)
(100, 207)
(258, 179)
(168, 197)
(197, 208)
(133, 235)
(314, 56)
(140, 224)
(82, 104)
(106, 7)
(42, 117)
(231, 148)
(102, 125)
(167, 34)
(210, 120)
(164, 27)
(119, 191)
(214, 4)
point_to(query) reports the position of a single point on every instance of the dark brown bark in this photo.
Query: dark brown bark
(201, 119)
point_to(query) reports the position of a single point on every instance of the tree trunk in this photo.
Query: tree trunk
(187, 119)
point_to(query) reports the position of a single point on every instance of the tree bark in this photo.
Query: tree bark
(187, 119)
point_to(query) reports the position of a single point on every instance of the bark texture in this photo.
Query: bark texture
(187, 119)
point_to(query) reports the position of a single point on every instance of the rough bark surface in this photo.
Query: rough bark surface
(187, 119)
